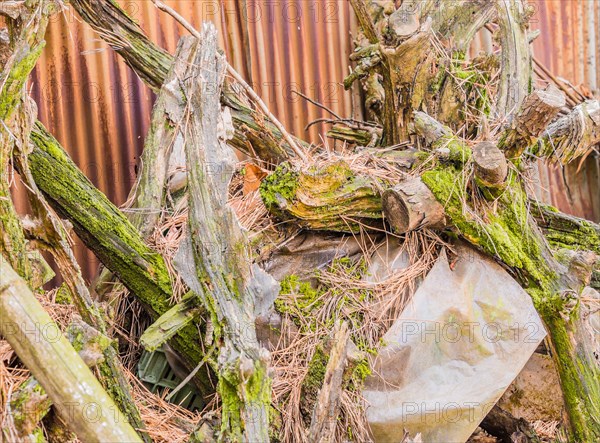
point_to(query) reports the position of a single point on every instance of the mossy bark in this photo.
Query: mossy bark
(330, 197)
(505, 230)
(109, 234)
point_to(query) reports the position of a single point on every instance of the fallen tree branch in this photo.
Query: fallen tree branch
(232, 285)
(70, 384)
(566, 231)
(491, 167)
(108, 233)
(30, 403)
(538, 109)
(328, 197)
(571, 136)
(411, 205)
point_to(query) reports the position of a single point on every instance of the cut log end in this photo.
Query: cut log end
(491, 166)
(410, 205)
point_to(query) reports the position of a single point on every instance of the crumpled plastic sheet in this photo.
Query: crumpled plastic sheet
(462, 339)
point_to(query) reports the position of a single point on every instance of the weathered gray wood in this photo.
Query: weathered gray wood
(325, 414)
(573, 135)
(411, 205)
(220, 248)
(76, 393)
(515, 59)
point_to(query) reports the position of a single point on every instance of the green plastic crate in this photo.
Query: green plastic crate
(157, 375)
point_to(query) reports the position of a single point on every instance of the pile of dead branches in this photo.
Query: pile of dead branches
(243, 252)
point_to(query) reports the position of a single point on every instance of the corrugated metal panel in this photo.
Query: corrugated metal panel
(99, 110)
(570, 46)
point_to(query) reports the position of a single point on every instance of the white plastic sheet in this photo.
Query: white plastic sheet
(454, 350)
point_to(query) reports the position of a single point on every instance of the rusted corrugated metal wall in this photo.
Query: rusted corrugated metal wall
(99, 110)
(570, 46)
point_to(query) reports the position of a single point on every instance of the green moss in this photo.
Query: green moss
(29, 404)
(580, 381)
(459, 152)
(63, 295)
(231, 411)
(360, 372)
(502, 231)
(316, 370)
(304, 298)
(474, 79)
(281, 184)
(12, 87)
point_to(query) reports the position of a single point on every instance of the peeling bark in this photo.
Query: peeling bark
(230, 283)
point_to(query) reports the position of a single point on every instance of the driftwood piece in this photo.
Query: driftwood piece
(538, 109)
(75, 392)
(459, 19)
(325, 414)
(410, 205)
(491, 166)
(573, 135)
(429, 128)
(230, 281)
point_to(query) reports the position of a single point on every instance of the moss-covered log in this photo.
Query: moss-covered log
(505, 230)
(566, 231)
(330, 197)
(108, 233)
